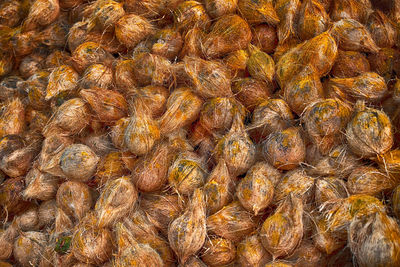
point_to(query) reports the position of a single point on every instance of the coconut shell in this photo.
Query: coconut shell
(40, 185)
(369, 133)
(10, 13)
(189, 14)
(228, 34)
(369, 180)
(90, 53)
(218, 251)
(236, 149)
(258, 12)
(131, 29)
(313, 20)
(256, 190)
(265, 38)
(375, 240)
(168, 43)
(282, 232)
(382, 29)
(385, 62)
(251, 92)
(152, 69)
(250, 252)
(350, 64)
(286, 11)
(329, 188)
(187, 233)
(75, 199)
(232, 222)
(41, 13)
(297, 183)
(28, 248)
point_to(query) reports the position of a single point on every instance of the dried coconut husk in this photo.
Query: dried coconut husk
(118, 133)
(116, 200)
(124, 75)
(67, 4)
(167, 42)
(75, 199)
(260, 65)
(6, 63)
(161, 209)
(350, 64)
(150, 173)
(286, 11)
(151, 8)
(113, 165)
(382, 29)
(63, 223)
(90, 243)
(56, 58)
(187, 173)
(155, 97)
(285, 149)
(256, 190)
(251, 92)
(396, 201)
(41, 13)
(40, 185)
(218, 251)
(329, 188)
(12, 117)
(265, 37)
(28, 220)
(326, 241)
(279, 263)
(77, 34)
(31, 64)
(237, 63)
(353, 36)
(90, 53)
(258, 12)
(303, 89)
(369, 133)
(19, 161)
(193, 262)
(321, 62)
(131, 29)
(228, 34)
(99, 141)
(61, 80)
(36, 87)
(313, 20)
(152, 69)
(350, 9)
(189, 14)
(396, 91)
(78, 162)
(104, 14)
(282, 232)
(47, 213)
(187, 233)
(369, 180)
(375, 240)
(250, 252)
(236, 148)
(219, 8)
(232, 222)
(211, 78)
(324, 121)
(109, 106)
(97, 75)
(28, 248)
(7, 238)
(307, 254)
(5, 264)
(11, 87)
(10, 13)
(183, 107)
(53, 36)
(389, 163)
(386, 62)
(192, 45)
(70, 118)
(23, 43)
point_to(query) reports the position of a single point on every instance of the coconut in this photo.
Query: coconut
(6, 63)
(237, 63)
(97, 75)
(12, 118)
(7, 238)
(152, 69)
(228, 34)
(219, 8)
(187, 233)
(11, 197)
(47, 213)
(285, 149)
(40, 185)
(183, 107)
(118, 133)
(369, 180)
(297, 183)
(350, 64)
(329, 188)
(265, 38)
(55, 35)
(232, 222)
(218, 251)
(192, 45)
(113, 165)
(28, 248)
(75, 199)
(236, 148)
(41, 13)
(375, 240)
(282, 232)
(10, 13)
(382, 29)
(63, 79)
(36, 87)
(369, 133)
(256, 190)
(98, 140)
(151, 8)
(161, 209)
(313, 20)
(211, 78)
(28, 220)
(18, 162)
(30, 65)
(11, 87)
(186, 173)
(396, 91)
(258, 12)
(90, 53)
(23, 43)
(350, 9)
(326, 241)
(63, 223)
(155, 97)
(260, 65)
(250, 252)
(251, 92)
(389, 163)
(307, 254)
(167, 43)
(193, 262)
(115, 201)
(189, 14)
(385, 62)
(90, 243)
(56, 58)
(279, 263)
(104, 14)
(123, 75)
(324, 121)
(131, 29)
(286, 11)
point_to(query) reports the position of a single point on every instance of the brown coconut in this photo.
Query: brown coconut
(189, 14)
(90, 53)
(123, 75)
(260, 65)
(287, 11)
(251, 92)
(265, 38)
(31, 64)
(40, 185)
(97, 75)
(350, 64)
(325, 240)
(41, 13)
(313, 20)
(10, 14)
(104, 14)
(218, 8)
(382, 29)
(118, 133)
(350, 9)
(297, 183)
(237, 62)
(369, 180)
(131, 29)
(258, 12)
(385, 62)
(251, 252)
(12, 119)
(47, 213)
(7, 237)
(167, 42)
(28, 248)
(152, 69)
(218, 251)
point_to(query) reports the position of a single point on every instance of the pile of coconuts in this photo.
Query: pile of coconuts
(199, 133)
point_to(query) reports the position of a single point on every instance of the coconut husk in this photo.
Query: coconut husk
(23, 43)
(132, 29)
(118, 133)
(151, 8)
(329, 188)
(63, 223)
(90, 243)
(286, 11)
(12, 119)
(56, 58)
(282, 232)
(28, 220)
(193, 262)
(47, 213)
(350, 9)
(258, 12)
(369, 180)
(11, 196)
(396, 91)
(55, 35)
(385, 62)
(41, 13)
(28, 248)
(382, 29)
(61, 80)
(152, 69)
(313, 20)
(265, 38)
(11, 87)
(369, 133)
(237, 63)
(297, 183)
(6, 63)
(40, 185)
(260, 65)
(97, 75)
(228, 34)
(183, 107)
(211, 78)
(30, 65)
(279, 263)
(350, 64)
(325, 240)
(190, 14)
(256, 190)
(192, 43)
(36, 86)
(389, 163)
(7, 238)
(104, 14)
(187, 233)
(251, 92)
(232, 222)
(179, 143)
(250, 252)
(219, 8)
(89, 53)
(307, 254)
(236, 149)
(10, 13)
(112, 166)
(123, 75)
(75, 199)
(155, 97)
(19, 161)
(218, 251)
(375, 240)
(167, 42)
